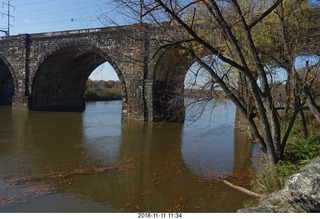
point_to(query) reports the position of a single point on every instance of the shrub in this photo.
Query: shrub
(301, 152)
(298, 152)
(271, 179)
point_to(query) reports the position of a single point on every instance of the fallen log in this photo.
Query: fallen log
(243, 189)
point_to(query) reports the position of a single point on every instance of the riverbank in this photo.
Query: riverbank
(301, 155)
(103, 90)
(300, 194)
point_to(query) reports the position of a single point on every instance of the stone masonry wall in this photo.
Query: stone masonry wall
(120, 46)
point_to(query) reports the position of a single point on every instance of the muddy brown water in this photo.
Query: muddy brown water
(97, 162)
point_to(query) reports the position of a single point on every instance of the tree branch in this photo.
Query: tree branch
(200, 40)
(265, 14)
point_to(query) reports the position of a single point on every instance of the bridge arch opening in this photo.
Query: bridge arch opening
(181, 83)
(60, 80)
(168, 88)
(103, 84)
(6, 84)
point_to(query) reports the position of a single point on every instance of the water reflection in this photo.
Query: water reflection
(208, 143)
(102, 132)
(153, 166)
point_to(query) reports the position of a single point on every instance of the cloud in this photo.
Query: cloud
(26, 21)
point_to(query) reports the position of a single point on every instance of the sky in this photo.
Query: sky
(37, 16)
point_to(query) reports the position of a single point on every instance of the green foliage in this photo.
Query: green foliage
(303, 151)
(102, 95)
(102, 90)
(271, 179)
(298, 152)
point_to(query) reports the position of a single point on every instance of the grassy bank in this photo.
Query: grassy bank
(298, 152)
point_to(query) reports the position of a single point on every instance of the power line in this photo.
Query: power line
(8, 15)
(51, 15)
(35, 3)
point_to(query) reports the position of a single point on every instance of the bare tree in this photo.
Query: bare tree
(292, 32)
(226, 30)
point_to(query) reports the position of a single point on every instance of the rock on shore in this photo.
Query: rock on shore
(301, 193)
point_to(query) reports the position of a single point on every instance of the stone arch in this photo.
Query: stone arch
(59, 77)
(168, 74)
(8, 83)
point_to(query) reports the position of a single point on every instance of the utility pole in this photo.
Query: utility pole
(9, 16)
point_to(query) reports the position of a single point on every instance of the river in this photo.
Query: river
(96, 162)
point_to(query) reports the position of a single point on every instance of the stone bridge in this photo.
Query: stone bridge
(48, 71)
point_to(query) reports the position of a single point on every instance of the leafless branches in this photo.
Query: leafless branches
(230, 31)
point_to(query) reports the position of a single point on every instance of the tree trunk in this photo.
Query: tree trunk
(303, 124)
(313, 108)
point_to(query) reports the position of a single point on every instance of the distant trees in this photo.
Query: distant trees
(102, 90)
